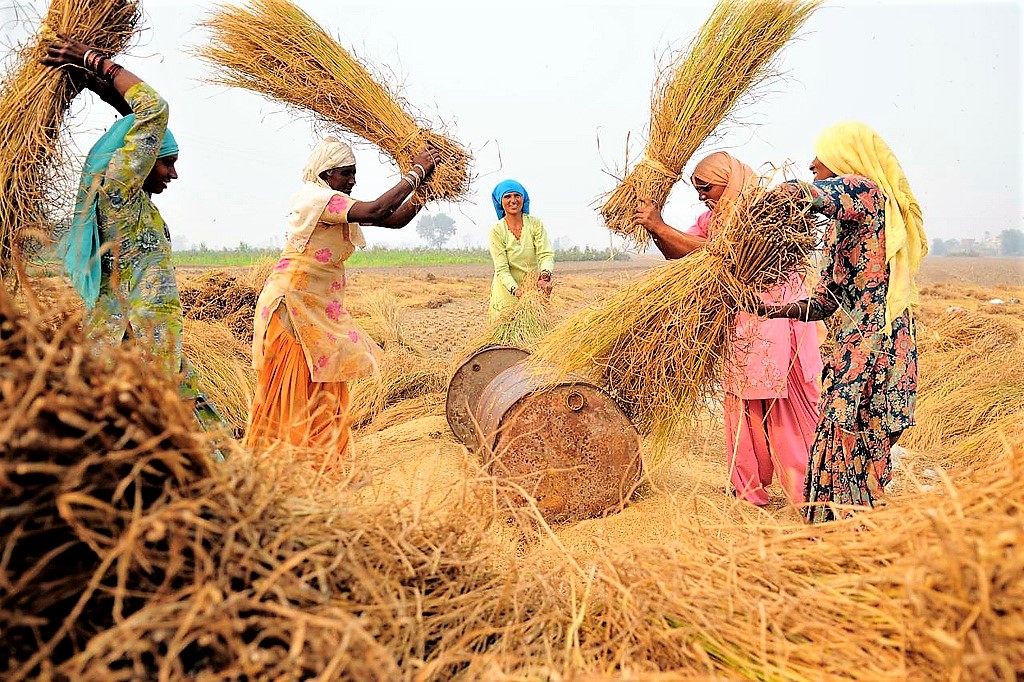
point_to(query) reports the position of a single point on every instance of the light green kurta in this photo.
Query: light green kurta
(513, 258)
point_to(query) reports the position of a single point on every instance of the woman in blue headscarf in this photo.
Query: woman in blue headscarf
(117, 252)
(519, 244)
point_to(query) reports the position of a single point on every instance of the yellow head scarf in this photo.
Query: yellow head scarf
(852, 148)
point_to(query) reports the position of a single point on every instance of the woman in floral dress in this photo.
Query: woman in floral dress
(306, 346)
(117, 252)
(873, 251)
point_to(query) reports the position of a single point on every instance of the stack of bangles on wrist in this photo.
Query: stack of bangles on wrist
(94, 61)
(413, 178)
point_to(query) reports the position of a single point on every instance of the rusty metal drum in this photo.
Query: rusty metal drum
(567, 444)
(468, 383)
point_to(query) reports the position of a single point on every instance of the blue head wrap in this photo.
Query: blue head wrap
(503, 188)
(79, 248)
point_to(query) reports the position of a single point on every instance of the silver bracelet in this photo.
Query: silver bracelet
(422, 170)
(414, 178)
(407, 179)
(85, 58)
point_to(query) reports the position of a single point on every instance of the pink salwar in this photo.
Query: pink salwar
(768, 435)
(771, 395)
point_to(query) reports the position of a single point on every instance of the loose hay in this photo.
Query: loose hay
(275, 49)
(403, 375)
(379, 316)
(33, 104)
(224, 365)
(222, 297)
(733, 52)
(126, 554)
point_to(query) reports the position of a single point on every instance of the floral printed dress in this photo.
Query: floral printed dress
(138, 295)
(308, 286)
(869, 386)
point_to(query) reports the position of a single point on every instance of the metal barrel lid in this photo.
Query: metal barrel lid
(468, 383)
(565, 443)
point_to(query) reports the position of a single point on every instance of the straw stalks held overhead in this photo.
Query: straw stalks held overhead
(658, 345)
(34, 178)
(733, 52)
(275, 49)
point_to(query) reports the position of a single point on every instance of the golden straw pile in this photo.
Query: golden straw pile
(732, 53)
(222, 297)
(126, 554)
(33, 103)
(962, 410)
(275, 49)
(657, 346)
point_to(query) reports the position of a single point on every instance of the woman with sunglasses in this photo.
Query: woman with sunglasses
(770, 381)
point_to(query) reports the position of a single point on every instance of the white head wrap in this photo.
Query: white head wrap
(329, 153)
(308, 204)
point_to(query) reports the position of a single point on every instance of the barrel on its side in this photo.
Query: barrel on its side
(468, 383)
(567, 443)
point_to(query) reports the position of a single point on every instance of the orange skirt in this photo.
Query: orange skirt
(290, 408)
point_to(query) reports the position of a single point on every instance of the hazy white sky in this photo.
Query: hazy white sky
(547, 92)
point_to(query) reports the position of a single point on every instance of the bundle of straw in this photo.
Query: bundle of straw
(732, 53)
(658, 346)
(524, 323)
(277, 50)
(33, 103)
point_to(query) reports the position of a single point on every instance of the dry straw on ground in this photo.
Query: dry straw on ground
(971, 384)
(126, 554)
(273, 48)
(658, 345)
(221, 297)
(224, 365)
(34, 101)
(379, 316)
(733, 52)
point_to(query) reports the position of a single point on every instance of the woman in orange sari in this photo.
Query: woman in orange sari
(306, 346)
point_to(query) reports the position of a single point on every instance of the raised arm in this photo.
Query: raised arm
(381, 210)
(671, 242)
(131, 163)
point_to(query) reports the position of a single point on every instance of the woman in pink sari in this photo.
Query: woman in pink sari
(770, 381)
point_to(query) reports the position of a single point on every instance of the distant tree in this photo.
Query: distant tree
(938, 248)
(435, 229)
(1011, 243)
